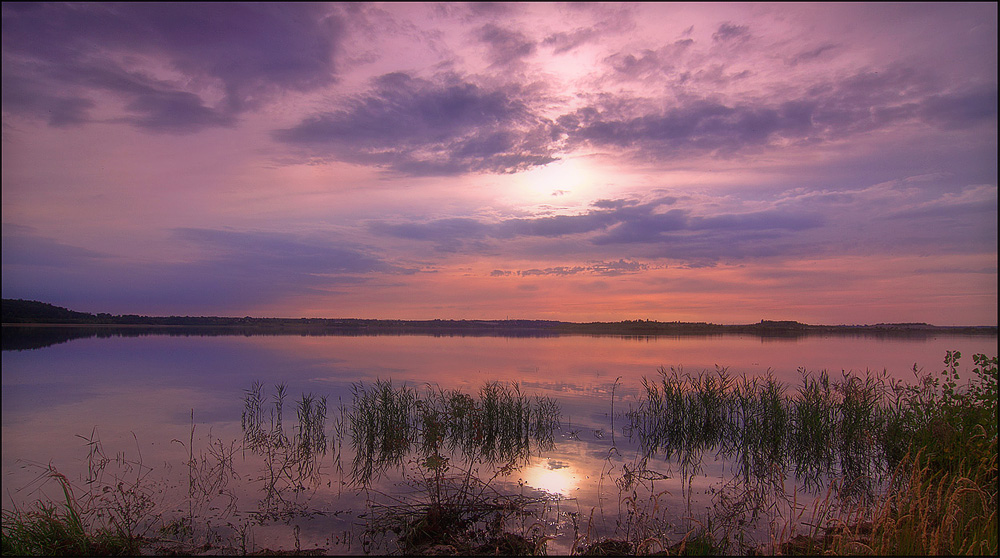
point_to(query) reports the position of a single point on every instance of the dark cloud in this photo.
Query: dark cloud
(704, 126)
(23, 247)
(757, 221)
(620, 203)
(730, 32)
(557, 225)
(644, 226)
(449, 234)
(560, 270)
(505, 45)
(958, 110)
(649, 62)
(619, 267)
(245, 51)
(489, 9)
(423, 127)
(243, 253)
(25, 96)
(858, 104)
(652, 226)
(966, 226)
(456, 232)
(812, 54)
(564, 42)
(631, 65)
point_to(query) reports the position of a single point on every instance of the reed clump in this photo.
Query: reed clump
(62, 530)
(942, 498)
(915, 464)
(501, 425)
(290, 463)
(446, 434)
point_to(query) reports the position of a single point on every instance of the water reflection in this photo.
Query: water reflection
(388, 423)
(553, 476)
(438, 440)
(844, 429)
(289, 463)
(148, 385)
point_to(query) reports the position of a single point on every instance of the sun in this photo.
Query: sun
(573, 178)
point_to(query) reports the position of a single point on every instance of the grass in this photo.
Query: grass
(61, 530)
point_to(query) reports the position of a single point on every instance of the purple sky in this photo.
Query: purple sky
(827, 163)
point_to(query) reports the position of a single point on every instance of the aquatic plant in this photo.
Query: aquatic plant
(500, 426)
(289, 463)
(942, 495)
(446, 434)
(753, 422)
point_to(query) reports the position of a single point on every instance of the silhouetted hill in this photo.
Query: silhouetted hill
(17, 311)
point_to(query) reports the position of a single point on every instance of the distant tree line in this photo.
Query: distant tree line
(18, 311)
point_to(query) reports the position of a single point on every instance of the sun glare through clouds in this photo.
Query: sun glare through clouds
(829, 163)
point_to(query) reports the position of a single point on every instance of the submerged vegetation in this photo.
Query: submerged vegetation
(890, 468)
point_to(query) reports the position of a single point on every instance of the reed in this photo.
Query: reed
(290, 463)
(942, 494)
(500, 426)
(51, 530)
(825, 427)
(447, 434)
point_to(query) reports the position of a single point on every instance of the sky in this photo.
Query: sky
(826, 163)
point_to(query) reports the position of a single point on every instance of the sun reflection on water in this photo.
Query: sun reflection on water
(553, 476)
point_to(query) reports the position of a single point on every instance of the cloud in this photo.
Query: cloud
(443, 126)
(812, 54)
(905, 217)
(248, 252)
(562, 42)
(961, 109)
(702, 126)
(23, 95)
(233, 269)
(728, 32)
(654, 227)
(221, 59)
(505, 45)
(22, 246)
(649, 62)
(613, 268)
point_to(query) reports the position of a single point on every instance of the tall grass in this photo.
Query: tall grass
(943, 496)
(62, 530)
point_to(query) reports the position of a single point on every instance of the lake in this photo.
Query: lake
(159, 412)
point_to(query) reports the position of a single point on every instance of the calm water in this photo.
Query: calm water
(137, 395)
